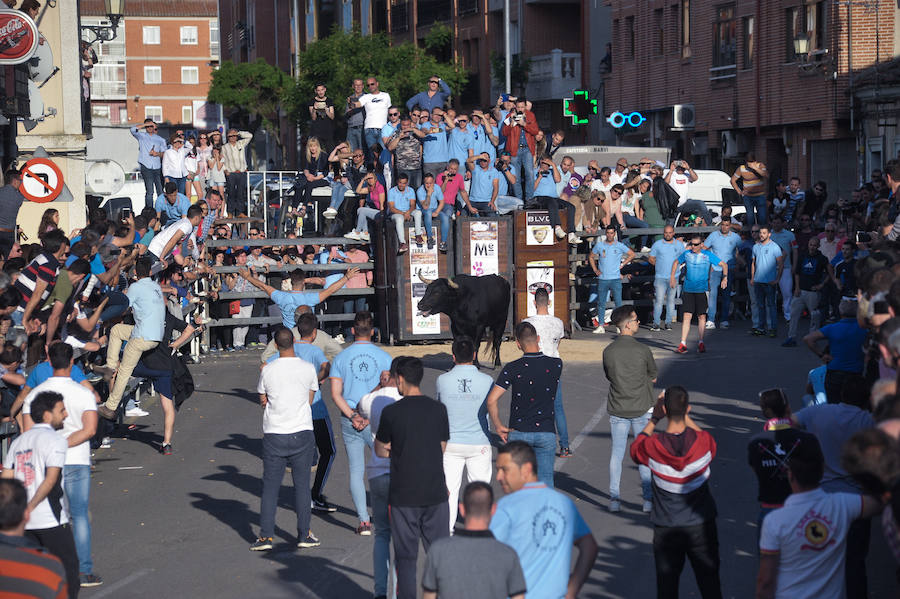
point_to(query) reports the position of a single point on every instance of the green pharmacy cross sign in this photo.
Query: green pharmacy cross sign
(580, 107)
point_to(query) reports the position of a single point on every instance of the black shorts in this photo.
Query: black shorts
(694, 303)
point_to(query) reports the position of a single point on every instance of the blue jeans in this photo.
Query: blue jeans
(116, 306)
(634, 222)
(766, 315)
(153, 184)
(362, 218)
(618, 428)
(758, 204)
(604, 287)
(663, 292)
(355, 137)
(715, 282)
(371, 137)
(298, 450)
(381, 553)
(356, 442)
(544, 445)
(506, 204)
(483, 208)
(562, 429)
(179, 183)
(523, 162)
(338, 190)
(444, 215)
(77, 484)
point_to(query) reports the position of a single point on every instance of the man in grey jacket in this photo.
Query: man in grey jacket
(631, 371)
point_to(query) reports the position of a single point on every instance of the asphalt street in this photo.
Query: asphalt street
(180, 525)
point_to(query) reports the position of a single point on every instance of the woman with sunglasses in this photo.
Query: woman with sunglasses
(314, 170)
(215, 170)
(371, 195)
(352, 169)
(173, 167)
(203, 151)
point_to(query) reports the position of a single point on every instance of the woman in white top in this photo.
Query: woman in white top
(216, 170)
(203, 151)
(173, 168)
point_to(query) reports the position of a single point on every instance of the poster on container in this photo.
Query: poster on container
(422, 261)
(483, 257)
(537, 228)
(538, 274)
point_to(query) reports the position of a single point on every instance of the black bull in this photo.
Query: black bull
(473, 304)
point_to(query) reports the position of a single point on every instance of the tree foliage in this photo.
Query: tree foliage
(519, 71)
(402, 70)
(255, 90)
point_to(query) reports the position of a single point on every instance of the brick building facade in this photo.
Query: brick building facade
(160, 64)
(716, 80)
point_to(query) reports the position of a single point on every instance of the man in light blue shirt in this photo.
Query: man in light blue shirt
(485, 186)
(545, 551)
(607, 258)
(401, 201)
(462, 140)
(766, 269)
(172, 204)
(430, 200)
(463, 391)
(486, 135)
(698, 263)
(149, 309)
(437, 93)
(787, 241)
(662, 254)
(435, 145)
(723, 243)
(354, 373)
(151, 147)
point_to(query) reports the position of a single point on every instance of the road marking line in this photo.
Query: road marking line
(588, 428)
(109, 590)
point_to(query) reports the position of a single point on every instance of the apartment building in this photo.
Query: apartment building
(159, 65)
(718, 79)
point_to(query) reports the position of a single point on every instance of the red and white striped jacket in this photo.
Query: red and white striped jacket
(679, 464)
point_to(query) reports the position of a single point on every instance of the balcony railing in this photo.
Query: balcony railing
(723, 73)
(553, 76)
(214, 49)
(108, 90)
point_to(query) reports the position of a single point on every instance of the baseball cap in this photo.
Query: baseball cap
(504, 97)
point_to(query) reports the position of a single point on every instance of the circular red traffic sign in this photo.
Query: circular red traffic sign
(42, 181)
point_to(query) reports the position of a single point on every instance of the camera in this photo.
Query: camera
(126, 212)
(863, 237)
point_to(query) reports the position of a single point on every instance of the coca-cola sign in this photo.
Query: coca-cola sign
(18, 37)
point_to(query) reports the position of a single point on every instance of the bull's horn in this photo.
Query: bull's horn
(452, 284)
(424, 280)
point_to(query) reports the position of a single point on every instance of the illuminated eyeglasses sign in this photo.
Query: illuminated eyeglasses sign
(619, 120)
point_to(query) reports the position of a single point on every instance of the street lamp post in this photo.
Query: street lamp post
(106, 33)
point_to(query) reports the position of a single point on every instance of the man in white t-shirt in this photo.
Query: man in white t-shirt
(802, 545)
(680, 177)
(620, 174)
(550, 330)
(287, 388)
(79, 427)
(378, 471)
(376, 104)
(37, 458)
(168, 239)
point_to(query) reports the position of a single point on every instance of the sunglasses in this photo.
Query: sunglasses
(694, 244)
(373, 84)
(202, 137)
(432, 81)
(230, 136)
(462, 120)
(643, 163)
(357, 155)
(615, 191)
(393, 114)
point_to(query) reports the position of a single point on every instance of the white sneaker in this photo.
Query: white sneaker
(339, 338)
(599, 330)
(364, 236)
(645, 250)
(329, 212)
(648, 506)
(574, 239)
(353, 235)
(136, 413)
(559, 232)
(710, 324)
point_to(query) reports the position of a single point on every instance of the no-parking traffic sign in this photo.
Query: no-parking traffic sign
(42, 181)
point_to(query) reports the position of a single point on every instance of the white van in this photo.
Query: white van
(714, 188)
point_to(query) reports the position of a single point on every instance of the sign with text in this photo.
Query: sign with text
(422, 261)
(18, 37)
(539, 274)
(483, 253)
(537, 228)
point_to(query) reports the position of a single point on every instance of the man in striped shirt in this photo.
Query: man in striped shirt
(684, 511)
(26, 569)
(37, 280)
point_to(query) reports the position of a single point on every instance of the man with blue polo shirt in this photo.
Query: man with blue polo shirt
(430, 200)
(787, 241)
(765, 272)
(462, 140)
(150, 150)
(722, 243)
(401, 201)
(355, 372)
(435, 144)
(463, 390)
(545, 196)
(172, 204)
(844, 356)
(663, 253)
(485, 185)
(289, 301)
(607, 258)
(542, 525)
(486, 135)
(698, 263)
(434, 97)
(306, 351)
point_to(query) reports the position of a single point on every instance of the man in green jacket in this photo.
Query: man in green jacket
(631, 371)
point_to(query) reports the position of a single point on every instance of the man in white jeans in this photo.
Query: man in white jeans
(463, 391)
(402, 205)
